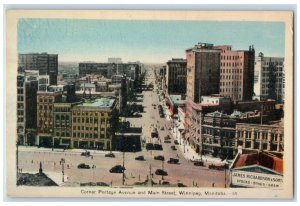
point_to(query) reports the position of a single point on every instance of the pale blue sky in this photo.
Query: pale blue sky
(146, 41)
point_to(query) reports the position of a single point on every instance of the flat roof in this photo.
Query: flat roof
(101, 103)
(176, 99)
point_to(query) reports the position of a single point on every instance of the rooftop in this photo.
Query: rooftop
(176, 99)
(100, 103)
(263, 159)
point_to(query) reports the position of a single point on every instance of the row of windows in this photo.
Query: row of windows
(87, 120)
(46, 100)
(20, 112)
(20, 98)
(231, 71)
(223, 57)
(45, 107)
(237, 83)
(266, 69)
(231, 64)
(62, 134)
(20, 91)
(78, 113)
(87, 135)
(273, 63)
(266, 74)
(62, 109)
(230, 77)
(62, 117)
(231, 90)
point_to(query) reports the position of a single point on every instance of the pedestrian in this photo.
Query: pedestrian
(213, 184)
(152, 175)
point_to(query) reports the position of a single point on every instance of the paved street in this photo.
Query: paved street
(136, 171)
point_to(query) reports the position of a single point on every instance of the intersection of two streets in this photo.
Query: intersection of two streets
(136, 171)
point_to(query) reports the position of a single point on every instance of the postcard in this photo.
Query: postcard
(149, 104)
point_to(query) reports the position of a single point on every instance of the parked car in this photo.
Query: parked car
(161, 172)
(167, 137)
(140, 158)
(159, 157)
(158, 147)
(110, 155)
(162, 128)
(86, 153)
(173, 147)
(176, 142)
(154, 133)
(117, 169)
(180, 185)
(199, 163)
(173, 161)
(83, 166)
(167, 141)
(149, 146)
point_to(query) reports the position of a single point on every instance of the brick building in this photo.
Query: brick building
(94, 123)
(236, 73)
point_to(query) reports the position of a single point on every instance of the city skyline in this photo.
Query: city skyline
(141, 40)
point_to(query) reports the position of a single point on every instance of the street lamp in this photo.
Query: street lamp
(123, 177)
(62, 162)
(225, 168)
(150, 175)
(162, 166)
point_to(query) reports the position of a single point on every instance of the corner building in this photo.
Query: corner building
(94, 124)
(203, 74)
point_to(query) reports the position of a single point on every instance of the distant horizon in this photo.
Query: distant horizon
(157, 41)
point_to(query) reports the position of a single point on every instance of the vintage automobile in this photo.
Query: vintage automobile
(117, 169)
(173, 147)
(141, 158)
(161, 172)
(110, 155)
(198, 163)
(173, 161)
(83, 166)
(86, 153)
(159, 157)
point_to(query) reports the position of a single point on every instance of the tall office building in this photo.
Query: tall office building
(269, 78)
(176, 76)
(236, 73)
(203, 73)
(46, 64)
(27, 87)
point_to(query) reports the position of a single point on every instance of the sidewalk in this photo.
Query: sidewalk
(42, 149)
(188, 152)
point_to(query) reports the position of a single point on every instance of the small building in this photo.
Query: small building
(174, 102)
(256, 170)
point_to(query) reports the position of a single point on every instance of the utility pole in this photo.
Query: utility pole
(123, 180)
(17, 144)
(150, 175)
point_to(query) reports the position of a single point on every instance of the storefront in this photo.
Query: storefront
(257, 170)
